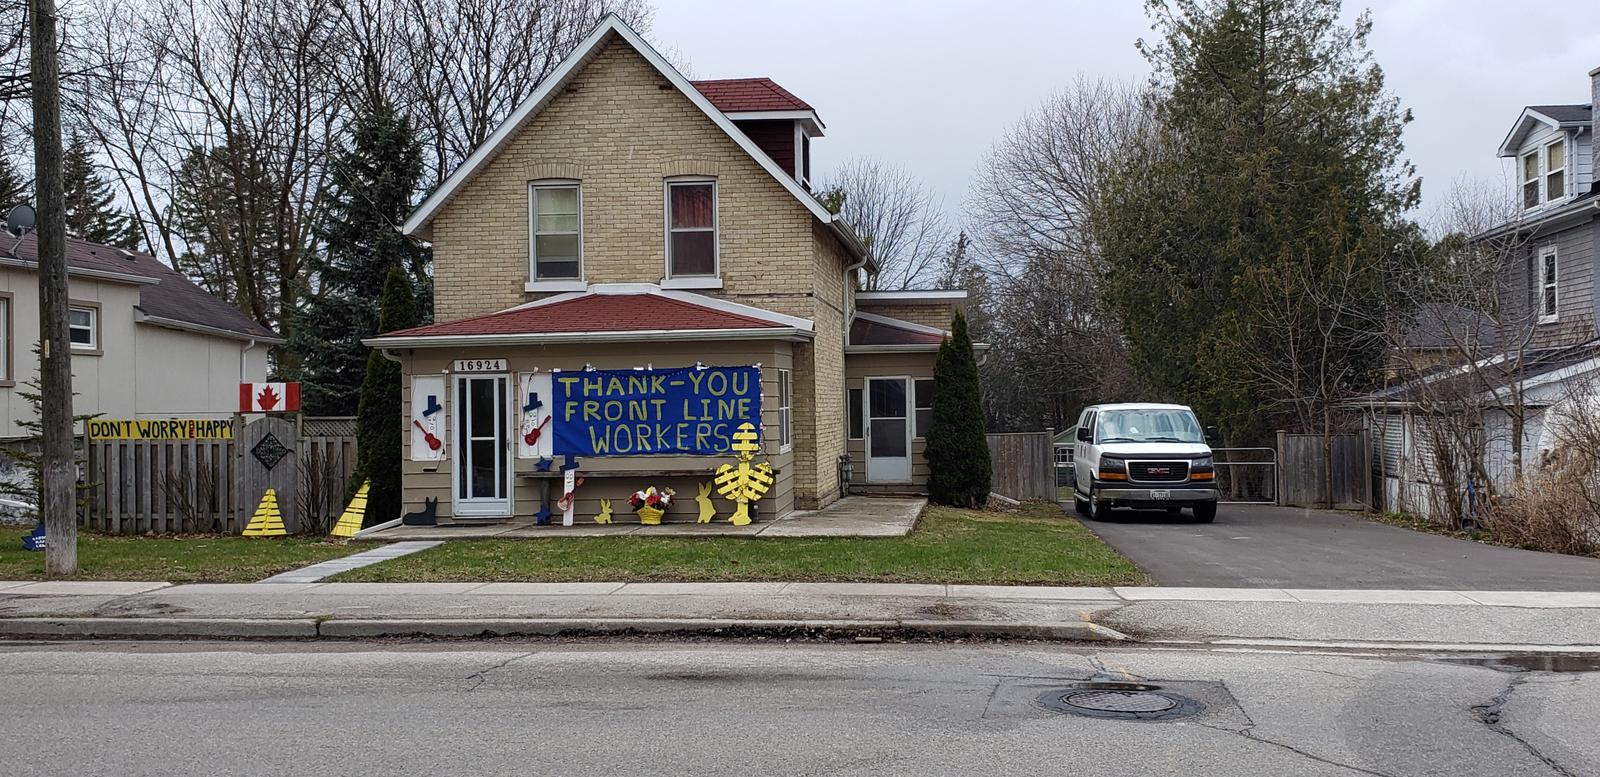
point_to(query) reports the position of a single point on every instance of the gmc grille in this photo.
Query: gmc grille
(1158, 471)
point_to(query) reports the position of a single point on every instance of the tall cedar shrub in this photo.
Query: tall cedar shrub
(957, 450)
(371, 182)
(379, 433)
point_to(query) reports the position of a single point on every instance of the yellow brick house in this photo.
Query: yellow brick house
(630, 268)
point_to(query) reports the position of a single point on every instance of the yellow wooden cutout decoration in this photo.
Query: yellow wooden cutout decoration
(354, 514)
(604, 516)
(267, 522)
(707, 510)
(745, 482)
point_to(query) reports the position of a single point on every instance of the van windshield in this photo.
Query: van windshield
(1155, 425)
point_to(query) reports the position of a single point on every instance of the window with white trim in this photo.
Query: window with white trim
(785, 410)
(1547, 284)
(924, 406)
(1555, 170)
(83, 328)
(691, 228)
(5, 338)
(1530, 180)
(555, 216)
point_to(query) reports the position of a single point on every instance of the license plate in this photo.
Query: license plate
(1160, 494)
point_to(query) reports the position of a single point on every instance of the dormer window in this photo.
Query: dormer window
(1530, 180)
(691, 228)
(1555, 171)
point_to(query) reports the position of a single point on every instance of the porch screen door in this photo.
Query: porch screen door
(888, 430)
(483, 469)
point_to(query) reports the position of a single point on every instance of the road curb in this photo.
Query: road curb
(164, 628)
(468, 628)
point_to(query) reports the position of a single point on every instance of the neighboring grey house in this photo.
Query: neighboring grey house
(147, 342)
(1550, 286)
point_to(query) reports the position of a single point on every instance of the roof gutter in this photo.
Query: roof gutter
(566, 338)
(1560, 214)
(173, 323)
(82, 272)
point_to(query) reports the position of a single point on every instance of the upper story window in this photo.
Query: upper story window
(1547, 284)
(83, 328)
(1555, 171)
(691, 228)
(556, 247)
(1544, 174)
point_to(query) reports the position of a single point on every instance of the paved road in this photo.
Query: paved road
(1285, 547)
(736, 709)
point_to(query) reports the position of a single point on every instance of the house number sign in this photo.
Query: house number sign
(480, 365)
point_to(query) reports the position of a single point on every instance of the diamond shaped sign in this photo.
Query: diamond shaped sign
(269, 451)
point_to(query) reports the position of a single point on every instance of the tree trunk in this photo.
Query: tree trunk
(57, 505)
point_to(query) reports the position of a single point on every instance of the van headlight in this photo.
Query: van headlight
(1204, 462)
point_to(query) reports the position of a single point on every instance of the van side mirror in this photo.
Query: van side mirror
(1085, 434)
(1211, 433)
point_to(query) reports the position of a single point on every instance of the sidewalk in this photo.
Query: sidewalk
(1219, 616)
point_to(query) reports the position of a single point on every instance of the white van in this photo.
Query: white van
(1144, 456)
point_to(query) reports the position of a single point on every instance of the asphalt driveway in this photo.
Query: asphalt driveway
(1264, 546)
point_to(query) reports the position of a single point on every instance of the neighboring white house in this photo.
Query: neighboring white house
(147, 342)
(1549, 295)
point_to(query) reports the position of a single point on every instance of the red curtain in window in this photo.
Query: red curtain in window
(692, 206)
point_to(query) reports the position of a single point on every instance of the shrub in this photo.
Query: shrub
(957, 450)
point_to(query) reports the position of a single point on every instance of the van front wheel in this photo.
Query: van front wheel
(1205, 512)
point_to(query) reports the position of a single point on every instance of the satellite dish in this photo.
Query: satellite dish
(21, 220)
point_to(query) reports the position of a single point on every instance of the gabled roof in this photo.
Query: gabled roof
(420, 223)
(607, 312)
(166, 297)
(1576, 115)
(749, 95)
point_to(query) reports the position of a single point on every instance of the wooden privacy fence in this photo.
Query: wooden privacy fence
(212, 486)
(1313, 472)
(1023, 464)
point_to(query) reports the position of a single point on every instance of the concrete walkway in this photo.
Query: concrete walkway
(1290, 547)
(324, 570)
(1362, 618)
(852, 516)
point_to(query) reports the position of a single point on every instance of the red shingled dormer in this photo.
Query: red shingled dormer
(780, 123)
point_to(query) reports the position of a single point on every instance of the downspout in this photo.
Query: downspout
(244, 359)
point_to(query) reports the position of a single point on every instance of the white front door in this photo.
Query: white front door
(483, 466)
(888, 430)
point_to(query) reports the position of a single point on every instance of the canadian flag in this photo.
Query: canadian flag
(282, 397)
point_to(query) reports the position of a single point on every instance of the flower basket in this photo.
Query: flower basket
(651, 504)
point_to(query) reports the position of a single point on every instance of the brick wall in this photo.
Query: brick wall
(621, 130)
(937, 316)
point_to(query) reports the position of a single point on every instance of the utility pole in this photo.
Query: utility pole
(59, 473)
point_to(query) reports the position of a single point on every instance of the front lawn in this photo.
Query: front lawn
(190, 559)
(1034, 545)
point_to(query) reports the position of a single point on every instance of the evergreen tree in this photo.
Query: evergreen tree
(957, 449)
(1273, 187)
(379, 431)
(369, 196)
(92, 214)
(14, 189)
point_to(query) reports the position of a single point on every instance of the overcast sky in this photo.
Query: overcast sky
(929, 85)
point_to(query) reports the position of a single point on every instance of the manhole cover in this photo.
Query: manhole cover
(1120, 701)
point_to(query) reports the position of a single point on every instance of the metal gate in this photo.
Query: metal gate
(1246, 475)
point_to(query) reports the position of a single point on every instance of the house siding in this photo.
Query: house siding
(1575, 300)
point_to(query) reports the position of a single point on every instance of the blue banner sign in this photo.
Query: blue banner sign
(685, 411)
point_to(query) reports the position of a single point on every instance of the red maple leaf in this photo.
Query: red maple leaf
(267, 398)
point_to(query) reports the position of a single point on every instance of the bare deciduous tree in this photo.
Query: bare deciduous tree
(899, 219)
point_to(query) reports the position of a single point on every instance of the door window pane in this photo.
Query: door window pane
(888, 399)
(888, 438)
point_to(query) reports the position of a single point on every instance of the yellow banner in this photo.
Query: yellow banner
(160, 429)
